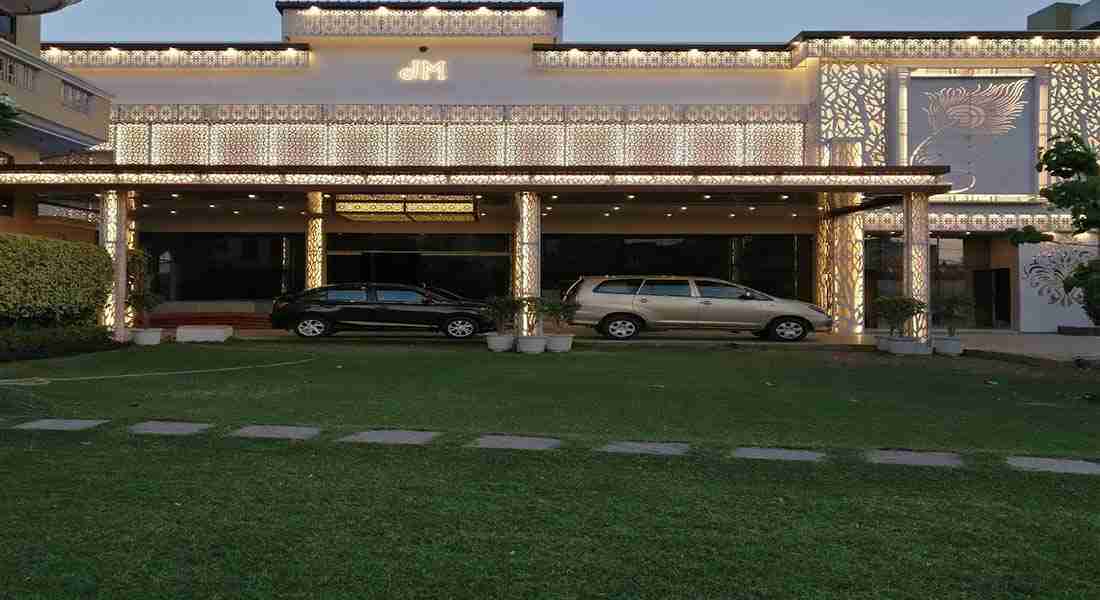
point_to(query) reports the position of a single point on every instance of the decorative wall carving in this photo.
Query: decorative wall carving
(1075, 100)
(229, 58)
(459, 135)
(482, 22)
(1048, 270)
(852, 105)
(976, 218)
(647, 59)
(1034, 47)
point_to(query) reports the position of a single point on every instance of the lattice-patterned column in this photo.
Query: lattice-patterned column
(527, 259)
(901, 151)
(916, 281)
(1042, 122)
(847, 247)
(315, 240)
(823, 258)
(114, 236)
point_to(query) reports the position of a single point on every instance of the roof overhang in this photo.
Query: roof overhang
(472, 179)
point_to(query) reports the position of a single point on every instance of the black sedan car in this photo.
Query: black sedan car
(374, 306)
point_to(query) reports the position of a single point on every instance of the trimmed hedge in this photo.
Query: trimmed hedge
(48, 283)
(19, 343)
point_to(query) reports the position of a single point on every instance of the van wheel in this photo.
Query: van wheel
(621, 328)
(788, 329)
(312, 327)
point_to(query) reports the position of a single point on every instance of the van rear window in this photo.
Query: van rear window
(621, 287)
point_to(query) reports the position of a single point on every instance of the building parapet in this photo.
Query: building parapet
(242, 55)
(420, 19)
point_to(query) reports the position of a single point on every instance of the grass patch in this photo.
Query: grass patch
(712, 397)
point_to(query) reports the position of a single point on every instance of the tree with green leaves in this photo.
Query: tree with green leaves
(1075, 169)
(9, 112)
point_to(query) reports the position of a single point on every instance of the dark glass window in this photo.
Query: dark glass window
(666, 287)
(719, 290)
(346, 296)
(622, 287)
(7, 27)
(399, 296)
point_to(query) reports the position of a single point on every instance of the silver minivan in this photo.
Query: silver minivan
(620, 307)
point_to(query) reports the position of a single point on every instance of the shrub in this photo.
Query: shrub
(953, 309)
(559, 312)
(20, 343)
(46, 282)
(1087, 277)
(503, 310)
(898, 309)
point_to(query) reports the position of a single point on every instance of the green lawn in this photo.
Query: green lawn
(104, 514)
(709, 397)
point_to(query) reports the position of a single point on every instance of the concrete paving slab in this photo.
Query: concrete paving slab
(779, 454)
(655, 448)
(61, 424)
(515, 442)
(917, 459)
(169, 428)
(392, 436)
(277, 432)
(1054, 465)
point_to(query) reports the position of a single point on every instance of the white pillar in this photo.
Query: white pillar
(527, 259)
(114, 236)
(846, 252)
(315, 240)
(916, 279)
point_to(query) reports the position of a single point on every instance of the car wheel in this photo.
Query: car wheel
(460, 328)
(621, 328)
(788, 329)
(312, 327)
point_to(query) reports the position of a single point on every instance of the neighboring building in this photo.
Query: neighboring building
(60, 113)
(466, 145)
(1067, 15)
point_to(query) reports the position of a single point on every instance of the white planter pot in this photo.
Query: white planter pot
(950, 346)
(147, 337)
(559, 343)
(500, 343)
(909, 347)
(531, 344)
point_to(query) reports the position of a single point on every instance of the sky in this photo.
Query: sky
(586, 20)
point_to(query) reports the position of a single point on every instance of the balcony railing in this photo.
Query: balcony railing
(17, 73)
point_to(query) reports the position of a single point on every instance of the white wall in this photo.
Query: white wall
(482, 71)
(1043, 303)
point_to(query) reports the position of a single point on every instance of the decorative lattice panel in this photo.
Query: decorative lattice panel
(417, 145)
(131, 144)
(536, 145)
(299, 144)
(179, 145)
(594, 145)
(240, 144)
(357, 145)
(852, 105)
(228, 58)
(1075, 100)
(432, 22)
(476, 144)
(653, 144)
(713, 144)
(959, 219)
(773, 144)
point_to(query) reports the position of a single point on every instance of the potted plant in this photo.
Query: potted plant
(141, 299)
(531, 344)
(503, 310)
(953, 310)
(897, 310)
(560, 313)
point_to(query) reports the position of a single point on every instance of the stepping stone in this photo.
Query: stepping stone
(1054, 465)
(61, 424)
(515, 442)
(277, 432)
(778, 454)
(169, 428)
(918, 459)
(655, 448)
(392, 436)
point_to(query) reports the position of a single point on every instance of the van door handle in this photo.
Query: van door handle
(643, 300)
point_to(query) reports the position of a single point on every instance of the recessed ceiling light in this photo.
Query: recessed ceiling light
(549, 208)
(479, 196)
(752, 208)
(484, 214)
(328, 195)
(546, 214)
(732, 215)
(821, 208)
(303, 212)
(784, 197)
(794, 214)
(236, 212)
(99, 195)
(668, 214)
(175, 195)
(631, 197)
(281, 207)
(173, 212)
(145, 206)
(706, 197)
(683, 208)
(553, 197)
(607, 214)
(618, 208)
(252, 196)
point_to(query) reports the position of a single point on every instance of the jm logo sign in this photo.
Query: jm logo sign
(424, 70)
